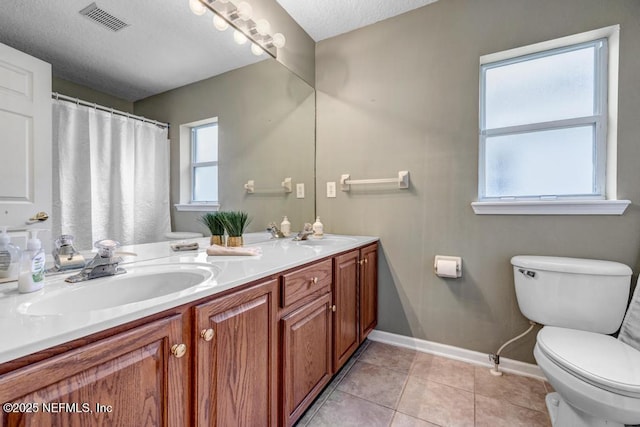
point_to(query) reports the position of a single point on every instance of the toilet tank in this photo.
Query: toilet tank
(586, 294)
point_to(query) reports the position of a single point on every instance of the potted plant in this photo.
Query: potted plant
(213, 221)
(235, 223)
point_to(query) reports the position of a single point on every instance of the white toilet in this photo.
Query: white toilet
(182, 235)
(579, 302)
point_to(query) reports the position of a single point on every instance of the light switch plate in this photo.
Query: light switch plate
(331, 189)
(300, 190)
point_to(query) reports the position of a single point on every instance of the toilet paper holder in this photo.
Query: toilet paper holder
(442, 266)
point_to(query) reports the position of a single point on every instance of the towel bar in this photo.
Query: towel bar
(402, 180)
(250, 186)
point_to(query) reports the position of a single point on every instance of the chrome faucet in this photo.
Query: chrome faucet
(65, 256)
(307, 230)
(105, 263)
(276, 233)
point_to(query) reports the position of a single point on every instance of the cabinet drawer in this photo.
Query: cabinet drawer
(305, 281)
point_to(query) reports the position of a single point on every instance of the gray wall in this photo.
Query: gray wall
(403, 94)
(266, 133)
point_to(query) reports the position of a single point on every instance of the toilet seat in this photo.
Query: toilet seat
(597, 359)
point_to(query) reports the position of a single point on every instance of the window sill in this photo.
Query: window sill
(197, 207)
(551, 207)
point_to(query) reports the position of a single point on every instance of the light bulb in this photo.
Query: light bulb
(219, 23)
(256, 50)
(239, 37)
(244, 11)
(263, 27)
(197, 8)
(279, 40)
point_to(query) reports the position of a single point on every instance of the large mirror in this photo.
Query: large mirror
(266, 120)
(265, 112)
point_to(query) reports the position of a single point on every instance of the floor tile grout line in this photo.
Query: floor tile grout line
(407, 377)
(365, 399)
(332, 388)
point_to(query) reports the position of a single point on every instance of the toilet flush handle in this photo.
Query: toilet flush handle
(527, 273)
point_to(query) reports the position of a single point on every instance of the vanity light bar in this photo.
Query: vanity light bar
(230, 13)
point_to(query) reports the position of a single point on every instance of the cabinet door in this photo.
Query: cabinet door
(306, 356)
(368, 290)
(345, 326)
(130, 379)
(236, 367)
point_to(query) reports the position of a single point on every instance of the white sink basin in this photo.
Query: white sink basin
(137, 285)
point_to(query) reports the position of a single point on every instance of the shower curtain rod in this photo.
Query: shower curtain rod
(77, 101)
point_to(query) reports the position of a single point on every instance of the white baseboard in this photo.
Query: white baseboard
(457, 353)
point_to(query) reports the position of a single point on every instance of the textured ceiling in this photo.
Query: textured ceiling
(322, 19)
(165, 45)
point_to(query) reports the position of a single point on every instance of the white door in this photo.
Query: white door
(25, 142)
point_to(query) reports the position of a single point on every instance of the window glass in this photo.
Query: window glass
(205, 143)
(541, 89)
(543, 124)
(205, 188)
(550, 162)
(204, 165)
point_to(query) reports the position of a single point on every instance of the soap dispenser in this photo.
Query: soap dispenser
(285, 227)
(318, 228)
(9, 257)
(31, 277)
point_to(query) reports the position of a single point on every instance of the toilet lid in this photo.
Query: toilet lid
(598, 359)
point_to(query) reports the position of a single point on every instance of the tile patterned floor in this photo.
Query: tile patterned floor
(389, 386)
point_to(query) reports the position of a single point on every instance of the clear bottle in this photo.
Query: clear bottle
(285, 227)
(31, 277)
(318, 228)
(9, 257)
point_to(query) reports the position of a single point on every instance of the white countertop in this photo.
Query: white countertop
(23, 334)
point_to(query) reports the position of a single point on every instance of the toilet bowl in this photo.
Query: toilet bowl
(182, 235)
(596, 377)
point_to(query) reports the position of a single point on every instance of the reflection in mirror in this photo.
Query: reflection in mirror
(266, 125)
(266, 112)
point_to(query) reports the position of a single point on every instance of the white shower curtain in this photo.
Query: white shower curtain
(110, 177)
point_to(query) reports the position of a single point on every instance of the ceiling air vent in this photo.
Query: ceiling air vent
(103, 17)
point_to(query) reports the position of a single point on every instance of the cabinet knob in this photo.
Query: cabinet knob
(314, 280)
(333, 308)
(207, 334)
(179, 350)
(361, 261)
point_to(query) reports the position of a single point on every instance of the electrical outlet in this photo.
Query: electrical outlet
(300, 190)
(331, 189)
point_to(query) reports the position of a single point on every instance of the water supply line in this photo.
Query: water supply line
(495, 357)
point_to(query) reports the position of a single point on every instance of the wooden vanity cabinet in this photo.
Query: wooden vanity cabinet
(134, 378)
(306, 356)
(368, 291)
(356, 300)
(345, 297)
(305, 337)
(256, 356)
(235, 366)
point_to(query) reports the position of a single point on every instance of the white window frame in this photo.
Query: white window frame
(187, 169)
(605, 120)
